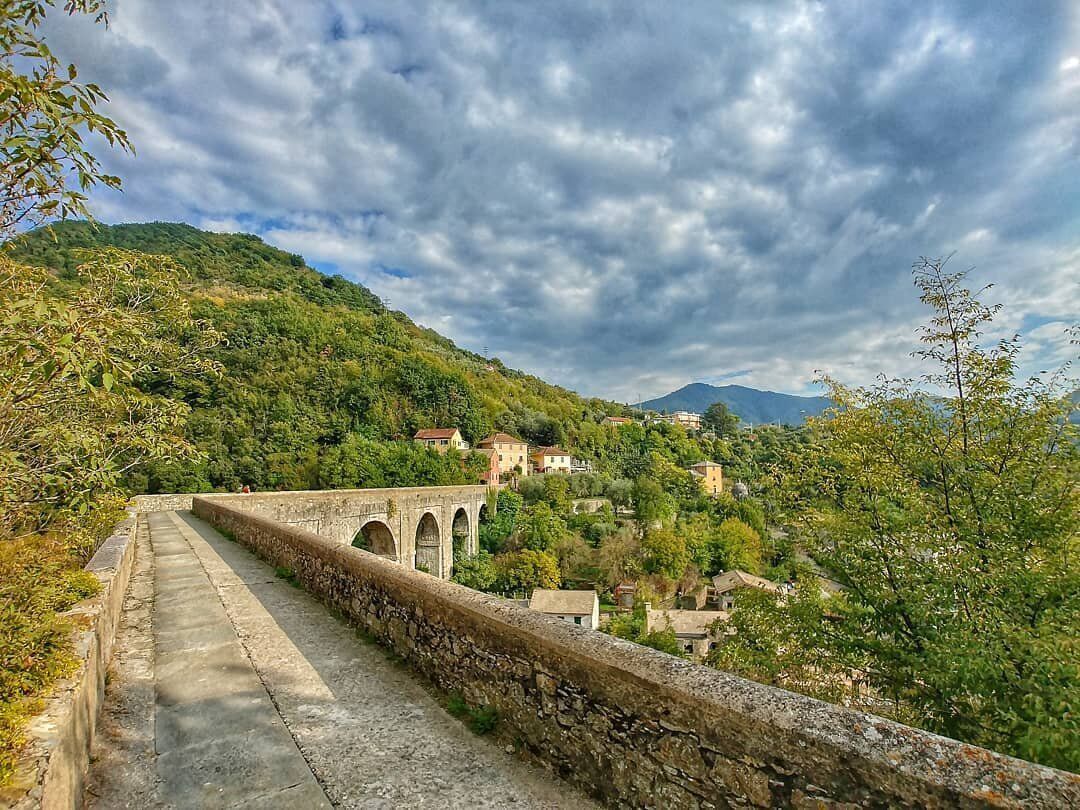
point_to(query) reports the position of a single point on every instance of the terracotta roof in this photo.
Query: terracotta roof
(706, 464)
(487, 451)
(562, 603)
(621, 420)
(549, 451)
(730, 580)
(685, 622)
(500, 438)
(435, 433)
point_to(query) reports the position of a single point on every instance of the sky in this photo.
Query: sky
(622, 197)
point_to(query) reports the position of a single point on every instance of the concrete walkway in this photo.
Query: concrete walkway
(232, 688)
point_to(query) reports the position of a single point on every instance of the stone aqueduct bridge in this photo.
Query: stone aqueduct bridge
(629, 725)
(415, 526)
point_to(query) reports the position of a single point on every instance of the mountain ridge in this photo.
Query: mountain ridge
(751, 405)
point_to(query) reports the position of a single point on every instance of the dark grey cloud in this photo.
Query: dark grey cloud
(622, 197)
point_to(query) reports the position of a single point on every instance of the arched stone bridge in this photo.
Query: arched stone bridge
(415, 526)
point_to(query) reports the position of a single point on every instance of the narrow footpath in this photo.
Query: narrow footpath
(231, 688)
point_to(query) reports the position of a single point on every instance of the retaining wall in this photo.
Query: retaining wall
(52, 768)
(633, 726)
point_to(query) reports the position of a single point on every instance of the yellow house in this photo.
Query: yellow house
(551, 459)
(513, 453)
(711, 476)
(441, 439)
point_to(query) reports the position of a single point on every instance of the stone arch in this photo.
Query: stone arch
(428, 545)
(461, 536)
(378, 538)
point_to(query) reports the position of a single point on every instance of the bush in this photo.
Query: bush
(476, 571)
(39, 578)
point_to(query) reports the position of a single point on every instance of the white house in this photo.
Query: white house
(576, 607)
(550, 459)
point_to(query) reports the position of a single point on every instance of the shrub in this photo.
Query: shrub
(39, 578)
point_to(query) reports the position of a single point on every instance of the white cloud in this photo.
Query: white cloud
(620, 198)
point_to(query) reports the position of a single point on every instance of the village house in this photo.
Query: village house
(711, 476)
(725, 585)
(576, 607)
(690, 421)
(441, 439)
(578, 465)
(624, 594)
(513, 453)
(695, 630)
(617, 421)
(490, 475)
(550, 460)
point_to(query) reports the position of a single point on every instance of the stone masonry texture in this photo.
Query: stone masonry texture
(633, 726)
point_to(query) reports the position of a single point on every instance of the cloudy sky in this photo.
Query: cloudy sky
(622, 197)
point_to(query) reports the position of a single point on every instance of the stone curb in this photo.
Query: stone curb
(51, 772)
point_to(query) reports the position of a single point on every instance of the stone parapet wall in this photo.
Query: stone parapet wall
(162, 503)
(339, 514)
(633, 726)
(52, 768)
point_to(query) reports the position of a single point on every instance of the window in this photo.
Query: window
(577, 620)
(443, 442)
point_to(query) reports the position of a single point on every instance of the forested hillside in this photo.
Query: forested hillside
(319, 377)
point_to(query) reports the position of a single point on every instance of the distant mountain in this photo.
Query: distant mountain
(749, 404)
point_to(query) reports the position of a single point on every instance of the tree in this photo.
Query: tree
(494, 532)
(651, 504)
(476, 571)
(947, 508)
(619, 558)
(720, 419)
(620, 492)
(75, 414)
(664, 552)
(527, 570)
(539, 527)
(737, 545)
(45, 169)
(557, 492)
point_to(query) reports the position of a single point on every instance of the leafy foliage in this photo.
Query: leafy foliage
(77, 372)
(720, 419)
(631, 626)
(45, 169)
(527, 569)
(40, 577)
(951, 522)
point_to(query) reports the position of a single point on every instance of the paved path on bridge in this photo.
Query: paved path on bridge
(231, 688)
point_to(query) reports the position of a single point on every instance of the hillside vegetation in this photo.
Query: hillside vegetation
(316, 368)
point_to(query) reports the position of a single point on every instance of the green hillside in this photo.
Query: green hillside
(319, 375)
